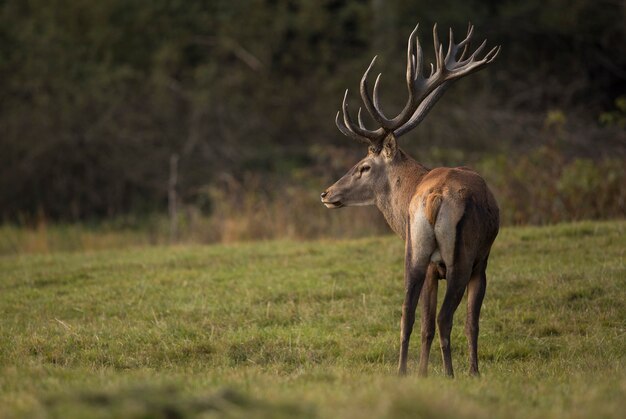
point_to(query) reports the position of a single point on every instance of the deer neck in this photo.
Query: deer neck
(404, 174)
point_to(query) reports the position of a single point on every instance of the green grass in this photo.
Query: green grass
(287, 329)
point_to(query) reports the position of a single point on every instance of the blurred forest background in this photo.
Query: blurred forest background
(213, 120)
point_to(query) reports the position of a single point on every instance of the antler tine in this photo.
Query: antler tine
(357, 132)
(441, 59)
(411, 64)
(452, 49)
(419, 58)
(476, 52)
(495, 54)
(371, 104)
(468, 37)
(437, 47)
(347, 119)
(376, 99)
(345, 131)
(466, 42)
(360, 119)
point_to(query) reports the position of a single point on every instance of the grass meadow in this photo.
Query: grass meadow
(309, 329)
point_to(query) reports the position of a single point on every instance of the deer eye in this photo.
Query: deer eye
(365, 168)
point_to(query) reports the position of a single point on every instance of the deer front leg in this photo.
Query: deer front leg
(414, 279)
(429, 312)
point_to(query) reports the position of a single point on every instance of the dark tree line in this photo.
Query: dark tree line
(96, 97)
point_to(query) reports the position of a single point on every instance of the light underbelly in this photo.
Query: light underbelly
(436, 257)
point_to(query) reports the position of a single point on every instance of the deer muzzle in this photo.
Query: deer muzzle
(330, 201)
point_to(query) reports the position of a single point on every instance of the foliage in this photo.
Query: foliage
(539, 187)
(617, 116)
(96, 97)
(285, 329)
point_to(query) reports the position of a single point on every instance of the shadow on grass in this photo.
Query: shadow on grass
(168, 402)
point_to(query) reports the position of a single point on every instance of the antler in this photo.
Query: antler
(423, 91)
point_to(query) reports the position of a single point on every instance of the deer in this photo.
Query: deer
(448, 217)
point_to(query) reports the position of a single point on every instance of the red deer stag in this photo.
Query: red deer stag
(448, 217)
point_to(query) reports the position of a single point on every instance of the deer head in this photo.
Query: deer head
(369, 177)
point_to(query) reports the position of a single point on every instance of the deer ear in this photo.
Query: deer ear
(390, 147)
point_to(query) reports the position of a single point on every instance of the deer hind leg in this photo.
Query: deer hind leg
(420, 245)
(451, 231)
(475, 293)
(457, 278)
(429, 313)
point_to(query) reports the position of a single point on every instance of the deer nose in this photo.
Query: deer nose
(323, 195)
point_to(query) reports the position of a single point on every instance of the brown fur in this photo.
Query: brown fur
(431, 206)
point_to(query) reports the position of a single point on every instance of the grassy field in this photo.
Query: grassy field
(288, 329)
